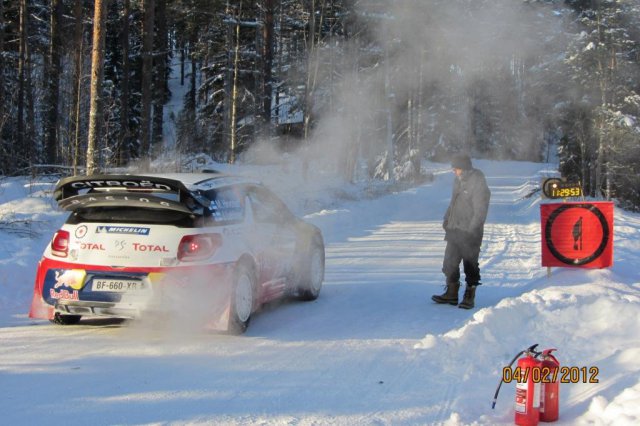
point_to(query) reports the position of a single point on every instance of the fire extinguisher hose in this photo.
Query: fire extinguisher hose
(495, 396)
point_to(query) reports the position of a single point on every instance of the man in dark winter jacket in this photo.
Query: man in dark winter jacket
(464, 228)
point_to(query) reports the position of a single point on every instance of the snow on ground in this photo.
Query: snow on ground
(373, 349)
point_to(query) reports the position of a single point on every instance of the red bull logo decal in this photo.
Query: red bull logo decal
(64, 294)
(63, 284)
(69, 278)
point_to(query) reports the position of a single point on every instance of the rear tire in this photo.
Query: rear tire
(61, 319)
(311, 276)
(242, 299)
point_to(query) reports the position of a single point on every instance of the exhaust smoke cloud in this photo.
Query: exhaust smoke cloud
(427, 78)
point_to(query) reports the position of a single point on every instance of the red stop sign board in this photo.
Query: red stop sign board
(577, 234)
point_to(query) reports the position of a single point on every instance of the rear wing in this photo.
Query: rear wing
(76, 192)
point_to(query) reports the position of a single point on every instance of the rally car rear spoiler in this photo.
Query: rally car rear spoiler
(76, 192)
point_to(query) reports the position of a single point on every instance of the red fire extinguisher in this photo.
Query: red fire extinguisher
(550, 389)
(537, 387)
(527, 403)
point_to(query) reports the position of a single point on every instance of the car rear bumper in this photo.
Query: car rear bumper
(96, 309)
(166, 289)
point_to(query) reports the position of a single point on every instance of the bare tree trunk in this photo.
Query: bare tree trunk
(606, 65)
(97, 70)
(2, 94)
(311, 71)
(267, 33)
(53, 84)
(183, 56)
(355, 146)
(192, 77)
(234, 97)
(278, 51)
(123, 138)
(309, 86)
(147, 77)
(160, 61)
(77, 78)
(78, 101)
(419, 130)
(20, 137)
(600, 159)
(29, 151)
(228, 78)
(388, 110)
(233, 121)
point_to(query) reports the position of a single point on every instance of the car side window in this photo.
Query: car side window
(267, 208)
(226, 206)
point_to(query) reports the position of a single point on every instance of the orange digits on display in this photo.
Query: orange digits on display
(564, 374)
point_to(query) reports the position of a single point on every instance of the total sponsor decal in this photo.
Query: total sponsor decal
(130, 230)
(150, 247)
(91, 246)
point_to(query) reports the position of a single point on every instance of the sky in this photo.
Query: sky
(372, 349)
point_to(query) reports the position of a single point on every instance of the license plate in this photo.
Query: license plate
(118, 286)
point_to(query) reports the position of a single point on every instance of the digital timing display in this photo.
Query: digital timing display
(556, 188)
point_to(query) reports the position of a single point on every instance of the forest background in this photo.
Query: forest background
(368, 88)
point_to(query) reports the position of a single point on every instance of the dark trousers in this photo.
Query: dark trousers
(466, 252)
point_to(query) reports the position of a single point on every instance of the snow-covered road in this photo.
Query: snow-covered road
(373, 349)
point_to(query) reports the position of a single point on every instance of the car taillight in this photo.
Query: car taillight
(60, 243)
(198, 247)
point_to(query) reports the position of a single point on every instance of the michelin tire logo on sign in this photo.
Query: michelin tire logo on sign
(130, 230)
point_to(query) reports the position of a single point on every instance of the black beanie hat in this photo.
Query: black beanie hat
(461, 161)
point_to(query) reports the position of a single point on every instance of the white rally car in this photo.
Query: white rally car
(199, 244)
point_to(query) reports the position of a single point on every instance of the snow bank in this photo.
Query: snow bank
(590, 319)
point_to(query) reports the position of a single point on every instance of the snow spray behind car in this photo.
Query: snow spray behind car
(537, 386)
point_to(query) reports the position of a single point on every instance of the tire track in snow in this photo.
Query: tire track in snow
(510, 256)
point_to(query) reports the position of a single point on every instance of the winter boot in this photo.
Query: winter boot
(469, 297)
(450, 296)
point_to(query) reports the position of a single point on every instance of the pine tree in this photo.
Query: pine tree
(97, 71)
(603, 61)
(53, 71)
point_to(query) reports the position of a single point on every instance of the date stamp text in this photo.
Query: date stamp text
(563, 374)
